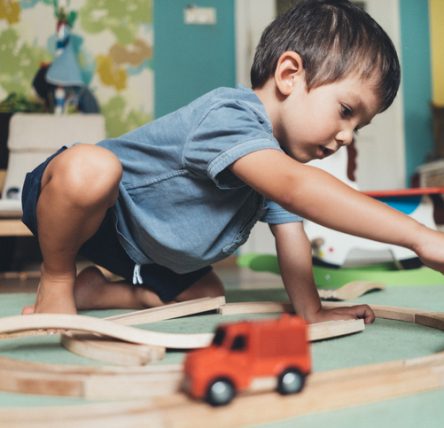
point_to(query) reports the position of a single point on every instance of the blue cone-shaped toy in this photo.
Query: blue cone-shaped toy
(65, 71)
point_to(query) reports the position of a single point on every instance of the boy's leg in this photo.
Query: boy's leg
(77, 188)
(209, 285)
(94, 291)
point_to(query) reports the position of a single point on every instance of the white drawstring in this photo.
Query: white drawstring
(137, 278)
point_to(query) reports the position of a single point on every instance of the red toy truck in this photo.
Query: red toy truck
(245, 354)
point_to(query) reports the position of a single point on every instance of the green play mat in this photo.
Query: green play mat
(330, 277)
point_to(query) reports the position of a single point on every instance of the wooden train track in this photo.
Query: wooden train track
(345, 387)
(135, 354)
(93, 382)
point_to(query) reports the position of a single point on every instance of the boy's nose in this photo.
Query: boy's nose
(345, 137)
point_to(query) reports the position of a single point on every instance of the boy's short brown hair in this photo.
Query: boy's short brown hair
(334, 39)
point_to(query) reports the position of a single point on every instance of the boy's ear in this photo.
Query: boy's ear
(289, 71)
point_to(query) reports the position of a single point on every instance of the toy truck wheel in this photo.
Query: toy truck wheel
(291, 381)
(220, 392)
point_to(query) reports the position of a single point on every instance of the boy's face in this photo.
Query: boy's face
(314, 124)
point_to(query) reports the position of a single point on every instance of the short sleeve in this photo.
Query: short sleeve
(226, 133)
(275, 214)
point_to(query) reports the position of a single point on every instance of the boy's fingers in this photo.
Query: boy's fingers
(365, 312)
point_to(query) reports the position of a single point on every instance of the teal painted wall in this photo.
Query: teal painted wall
(416, 83)
(190, 60)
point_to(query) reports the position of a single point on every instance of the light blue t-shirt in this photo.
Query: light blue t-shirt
(179, 204)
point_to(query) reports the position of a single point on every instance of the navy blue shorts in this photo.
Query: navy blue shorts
(104, 249)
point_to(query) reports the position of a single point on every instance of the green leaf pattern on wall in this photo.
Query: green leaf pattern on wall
(113, 43)
(122, 17)
(19, 61)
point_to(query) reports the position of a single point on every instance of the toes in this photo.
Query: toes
(28, 310)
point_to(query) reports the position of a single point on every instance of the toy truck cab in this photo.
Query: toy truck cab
(245, 355)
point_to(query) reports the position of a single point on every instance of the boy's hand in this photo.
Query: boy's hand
(343, 313)
(430, 248)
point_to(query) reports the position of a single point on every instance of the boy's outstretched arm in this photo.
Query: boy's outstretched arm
(294, 255)
(318, 196)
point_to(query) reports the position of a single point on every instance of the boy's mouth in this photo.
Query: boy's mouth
(326, 151)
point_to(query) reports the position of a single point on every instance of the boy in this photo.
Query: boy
(161, 203)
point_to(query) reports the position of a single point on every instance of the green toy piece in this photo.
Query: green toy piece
(331, 277)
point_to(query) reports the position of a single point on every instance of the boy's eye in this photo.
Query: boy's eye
(346, 111)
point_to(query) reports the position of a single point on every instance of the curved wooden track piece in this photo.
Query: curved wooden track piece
(102, 327)
(132, 354)
(350, 291)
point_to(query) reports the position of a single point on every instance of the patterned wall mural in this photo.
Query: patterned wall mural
(113, 42)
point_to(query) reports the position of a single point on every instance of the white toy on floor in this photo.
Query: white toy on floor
(337, 248)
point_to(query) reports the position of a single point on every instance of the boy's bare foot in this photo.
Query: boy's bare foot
(93, 290)
(54, 295)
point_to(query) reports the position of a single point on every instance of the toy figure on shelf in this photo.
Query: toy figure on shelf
(64, 71)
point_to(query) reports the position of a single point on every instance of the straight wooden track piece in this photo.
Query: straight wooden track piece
(32, 366)
(112, 351)
(131, 354)
(89, 382)
(394, 313)
(116, 414)
(102, 327)
(170, 311)
(331, 329)
(239, 308)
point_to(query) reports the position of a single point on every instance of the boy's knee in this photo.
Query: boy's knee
(87, 174)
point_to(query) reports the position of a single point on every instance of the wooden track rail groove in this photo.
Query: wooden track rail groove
(344, 388)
